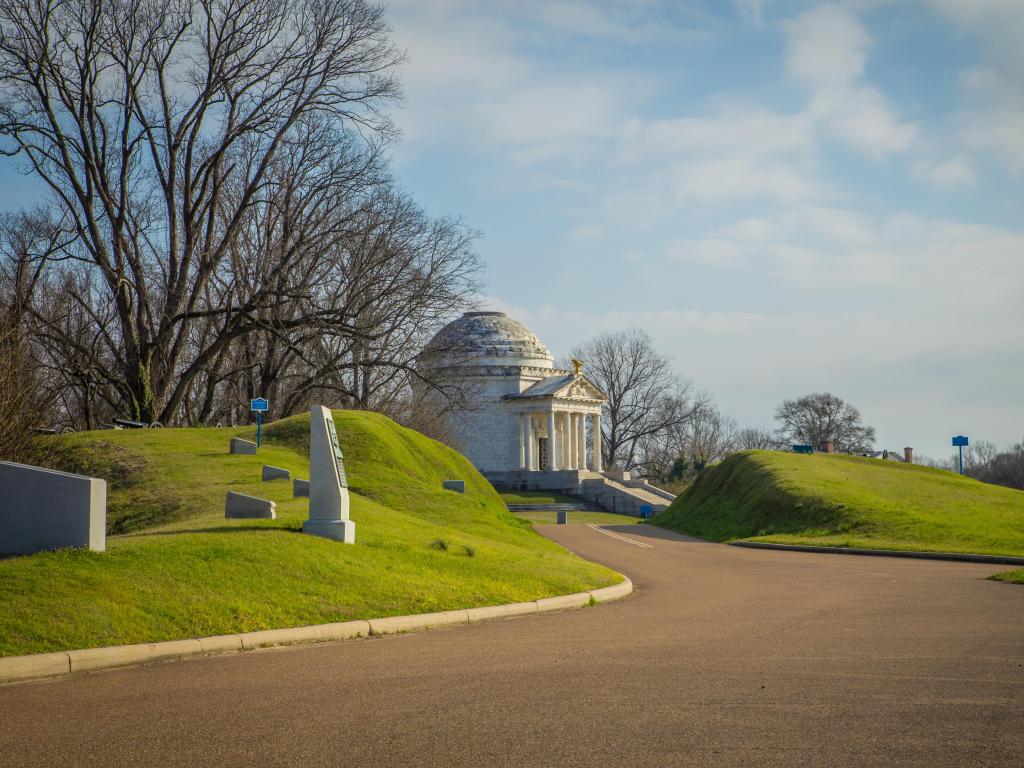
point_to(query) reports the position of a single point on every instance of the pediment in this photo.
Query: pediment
(580, 389)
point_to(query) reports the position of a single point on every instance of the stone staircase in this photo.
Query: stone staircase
(627, 497)
(612, 491)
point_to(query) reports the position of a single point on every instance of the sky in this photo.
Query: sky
(788, 196)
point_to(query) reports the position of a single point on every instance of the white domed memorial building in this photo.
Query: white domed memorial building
(522, 422)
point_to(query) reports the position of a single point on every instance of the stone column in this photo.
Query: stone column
(522, 440)
(566, 442)
(529, 441)
(552, 441)
(570, 429)
(581, 440)
(596, 421)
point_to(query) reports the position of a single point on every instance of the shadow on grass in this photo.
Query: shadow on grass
(215, 529)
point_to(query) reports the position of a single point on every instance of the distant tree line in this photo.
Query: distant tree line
(985, 462)
(220, 221)
(658, 425)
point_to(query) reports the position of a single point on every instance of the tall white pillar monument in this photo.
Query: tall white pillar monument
(328, 486)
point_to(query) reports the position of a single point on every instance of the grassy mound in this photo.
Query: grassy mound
(184, 571)
(848, 501)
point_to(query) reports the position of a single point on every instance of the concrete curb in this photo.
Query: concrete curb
(957, 557)
(41, 665)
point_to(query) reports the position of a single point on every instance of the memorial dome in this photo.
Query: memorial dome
(486, 339)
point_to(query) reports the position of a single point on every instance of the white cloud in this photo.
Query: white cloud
(933, 347)
(955, 173)
(826, 51)
(826, 47)
(993, 117)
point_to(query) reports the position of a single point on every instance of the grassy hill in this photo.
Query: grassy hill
(176, 568)
(847, 501)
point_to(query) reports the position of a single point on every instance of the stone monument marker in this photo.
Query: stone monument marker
(44, 509)
(328, 487)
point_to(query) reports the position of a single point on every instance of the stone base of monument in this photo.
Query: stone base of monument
(241, 505)
(338, 530)
(238, 445)
(275, 473)
(300, 487)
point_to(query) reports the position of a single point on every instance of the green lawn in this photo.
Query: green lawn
(182, 570)
(847, 501)
(598, 518)
(538, 497)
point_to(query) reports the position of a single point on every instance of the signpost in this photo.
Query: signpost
(959, 442)
(259, 406)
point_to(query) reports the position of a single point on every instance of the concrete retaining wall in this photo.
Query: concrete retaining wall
(42, 509)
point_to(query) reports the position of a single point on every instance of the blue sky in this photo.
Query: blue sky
(789, 196)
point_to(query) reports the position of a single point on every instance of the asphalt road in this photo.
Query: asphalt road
(724, 656)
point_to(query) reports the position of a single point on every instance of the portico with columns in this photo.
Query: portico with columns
(559, 424)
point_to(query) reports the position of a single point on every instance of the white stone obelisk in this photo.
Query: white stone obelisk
(328, 487)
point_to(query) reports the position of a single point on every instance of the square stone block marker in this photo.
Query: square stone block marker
(300, 488)
(42, 509)
(275, 473)
(241, 506)
(459, 486)
(247, 447)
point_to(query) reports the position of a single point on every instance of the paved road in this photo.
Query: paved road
(724, 656)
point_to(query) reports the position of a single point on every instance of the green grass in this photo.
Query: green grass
(538, 497)
(185, 571)
(1013, 577)
(847, 501)
(598, 518)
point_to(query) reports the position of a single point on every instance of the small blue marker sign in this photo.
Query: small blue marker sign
(959, 442)
(259, 406)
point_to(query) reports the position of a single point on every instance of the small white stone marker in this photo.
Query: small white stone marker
(238, 445)
(243, 506)
(328, 487)
(275, 473)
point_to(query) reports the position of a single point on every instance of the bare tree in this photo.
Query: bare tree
(647, 400)
(755, 438)
(156, 126)
(824, 418)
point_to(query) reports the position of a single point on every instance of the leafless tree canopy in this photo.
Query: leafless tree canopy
(648, 402)
(221, 223)
(819, 418)
(756, 438)
(984, 461)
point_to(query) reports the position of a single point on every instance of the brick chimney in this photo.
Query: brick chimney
(908, 455)
(827, 447)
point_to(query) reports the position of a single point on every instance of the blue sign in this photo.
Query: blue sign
(959, 442)
(260, 405)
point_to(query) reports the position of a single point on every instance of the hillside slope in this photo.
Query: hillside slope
(848, 501)
(182, 570)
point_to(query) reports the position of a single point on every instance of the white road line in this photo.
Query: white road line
(619, 537)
